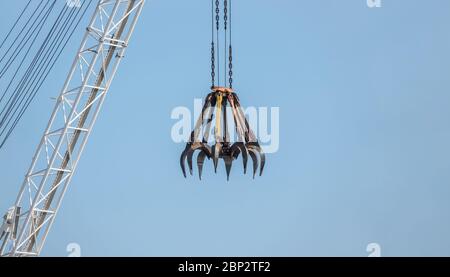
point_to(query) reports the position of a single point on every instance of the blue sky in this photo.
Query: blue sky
(364, 135)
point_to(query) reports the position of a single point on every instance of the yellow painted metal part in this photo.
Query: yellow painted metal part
(218, 114)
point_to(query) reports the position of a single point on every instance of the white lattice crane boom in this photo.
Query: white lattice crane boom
(27, 224)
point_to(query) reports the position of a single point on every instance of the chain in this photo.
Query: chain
(230, 57)
(213, 60)
(225, 24)
(225, 13)
(217, 37)
(217, 15)
(213, 66)
(230, 66)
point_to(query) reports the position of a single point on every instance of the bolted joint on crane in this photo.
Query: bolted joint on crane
(8, 229)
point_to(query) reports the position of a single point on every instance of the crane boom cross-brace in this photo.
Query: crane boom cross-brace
(27, 224)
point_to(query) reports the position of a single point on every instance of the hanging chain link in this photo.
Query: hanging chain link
(217, 15)
(230, 55)
(225, 13)
(217, 38)
(213, 65)
(230, 66)
(227, 27)
(213, 54)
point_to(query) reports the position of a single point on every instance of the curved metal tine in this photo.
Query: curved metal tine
(254, 155)
(190, 153)
(236, 149)
(236, 153)
(252, 144)
(262, 156)
(228, 162)
(216, 150)
(183, 157)
(202, 155)
(194, 135)
(200, 160)
(239, 147)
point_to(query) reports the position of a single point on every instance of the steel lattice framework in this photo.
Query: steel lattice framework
(28, 222)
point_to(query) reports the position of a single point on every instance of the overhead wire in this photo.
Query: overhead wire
(39, 69)
(15, 24)
(31, 81)
(40, 49)
(25, 81)
(18, 49)
(21, 31)
(49, 66)
(10, 103)
(21, 62)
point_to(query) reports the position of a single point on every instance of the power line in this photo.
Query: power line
(42, 22)
(44, 67)
(40, 49)
(31, 68)
(15, 24)
(17, 51)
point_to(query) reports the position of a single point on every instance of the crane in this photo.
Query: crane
(27, 223)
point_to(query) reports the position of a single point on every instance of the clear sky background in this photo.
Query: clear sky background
(364, 154)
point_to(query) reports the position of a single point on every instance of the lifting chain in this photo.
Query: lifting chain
(215, 13)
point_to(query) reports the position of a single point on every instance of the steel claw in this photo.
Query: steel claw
(228, 159)
(188, 153)
(217, 148)
(200, 160)
(239, 148)
(253, 155)
(183, 157)
(255, 151)
(247, 144)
